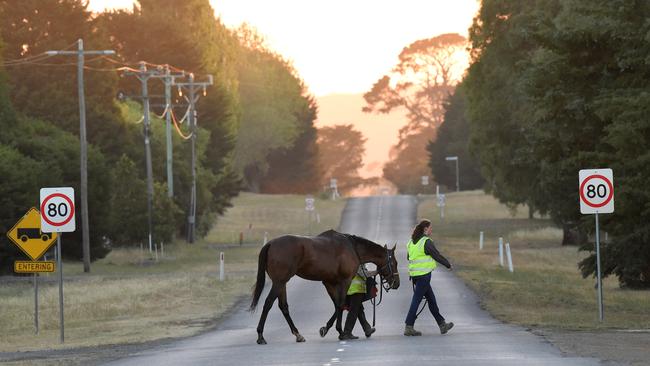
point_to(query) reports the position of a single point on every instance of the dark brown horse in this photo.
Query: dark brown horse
(330, 257)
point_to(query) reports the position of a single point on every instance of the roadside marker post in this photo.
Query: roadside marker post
(509, 257)
(480, 241)
(501, 251)
(221, 267)
(596, 191)
(58, 216)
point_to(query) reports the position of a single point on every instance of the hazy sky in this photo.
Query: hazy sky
(340, 46)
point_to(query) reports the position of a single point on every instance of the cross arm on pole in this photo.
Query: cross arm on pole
(102, 52)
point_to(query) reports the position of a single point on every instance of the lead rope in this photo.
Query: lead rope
(374, 302)
(423, 305)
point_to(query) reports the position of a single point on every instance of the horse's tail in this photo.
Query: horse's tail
(261, 276)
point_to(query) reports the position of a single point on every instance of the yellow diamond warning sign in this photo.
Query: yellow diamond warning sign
(28, 236)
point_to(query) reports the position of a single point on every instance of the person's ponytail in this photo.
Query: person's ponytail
(418, 231)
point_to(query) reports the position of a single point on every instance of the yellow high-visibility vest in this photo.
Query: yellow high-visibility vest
(420, 263)
(357, 286)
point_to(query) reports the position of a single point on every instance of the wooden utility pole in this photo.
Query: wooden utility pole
(192, 88)
(80, 53)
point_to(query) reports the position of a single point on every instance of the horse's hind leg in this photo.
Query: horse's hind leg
(270, 299)
(284, 307)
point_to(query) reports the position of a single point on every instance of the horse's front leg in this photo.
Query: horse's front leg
(323, 331)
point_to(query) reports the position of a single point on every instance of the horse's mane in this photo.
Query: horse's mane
(330, 233)
(360, 240)
(350, 237)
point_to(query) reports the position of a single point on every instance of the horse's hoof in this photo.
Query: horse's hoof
(300, 338)
(323, 331)
(261, 341)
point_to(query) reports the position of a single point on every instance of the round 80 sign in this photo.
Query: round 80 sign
(596, 191)
(57, 210)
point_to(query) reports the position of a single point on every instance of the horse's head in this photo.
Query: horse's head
(388, 269)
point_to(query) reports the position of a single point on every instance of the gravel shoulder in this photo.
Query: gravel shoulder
(630, 347)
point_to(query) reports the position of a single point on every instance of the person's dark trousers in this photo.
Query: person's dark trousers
(356, 311)
(423, 289)
(362, 320)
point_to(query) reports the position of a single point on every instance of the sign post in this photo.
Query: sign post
(334, 187)
(597, 196)
(441, 204)
(309, 207)
(58, 216)
(29, 237)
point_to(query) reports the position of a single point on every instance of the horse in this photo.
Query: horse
(331, 257)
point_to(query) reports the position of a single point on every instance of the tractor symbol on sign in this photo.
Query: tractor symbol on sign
(25, 234)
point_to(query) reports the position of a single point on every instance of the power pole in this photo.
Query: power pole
(167, 79)
(192, 88)
(143, 75)
(80, 53)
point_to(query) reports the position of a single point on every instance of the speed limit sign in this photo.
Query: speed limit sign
(596, 191)
(57, 210)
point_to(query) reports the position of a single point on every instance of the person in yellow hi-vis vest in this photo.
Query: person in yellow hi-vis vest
(422, 258)
(355, 297)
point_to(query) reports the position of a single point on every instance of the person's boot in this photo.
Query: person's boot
(410, 332)
(445, 327)
(368, 331)
(346, 336)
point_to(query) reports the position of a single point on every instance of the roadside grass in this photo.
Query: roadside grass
(129, 297)
(546, 289)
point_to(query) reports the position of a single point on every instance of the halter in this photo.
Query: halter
(384, 283)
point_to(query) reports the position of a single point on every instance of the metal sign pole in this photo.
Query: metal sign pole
(60, 264)
(600, 281)
(36, 301)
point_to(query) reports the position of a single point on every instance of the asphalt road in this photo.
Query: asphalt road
(477, 338)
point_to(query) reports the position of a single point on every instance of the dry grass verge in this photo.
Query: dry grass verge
(546, 288)
(130, 298)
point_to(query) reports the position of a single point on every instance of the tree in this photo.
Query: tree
(453, 140)
(295, 170)
(341, 152)
(425, 76)
(272, 106)
(46, 88)
(498, 112)
(408, 163)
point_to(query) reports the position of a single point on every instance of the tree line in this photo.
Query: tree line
(256, 122)
(559, 86)
(553, 87)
